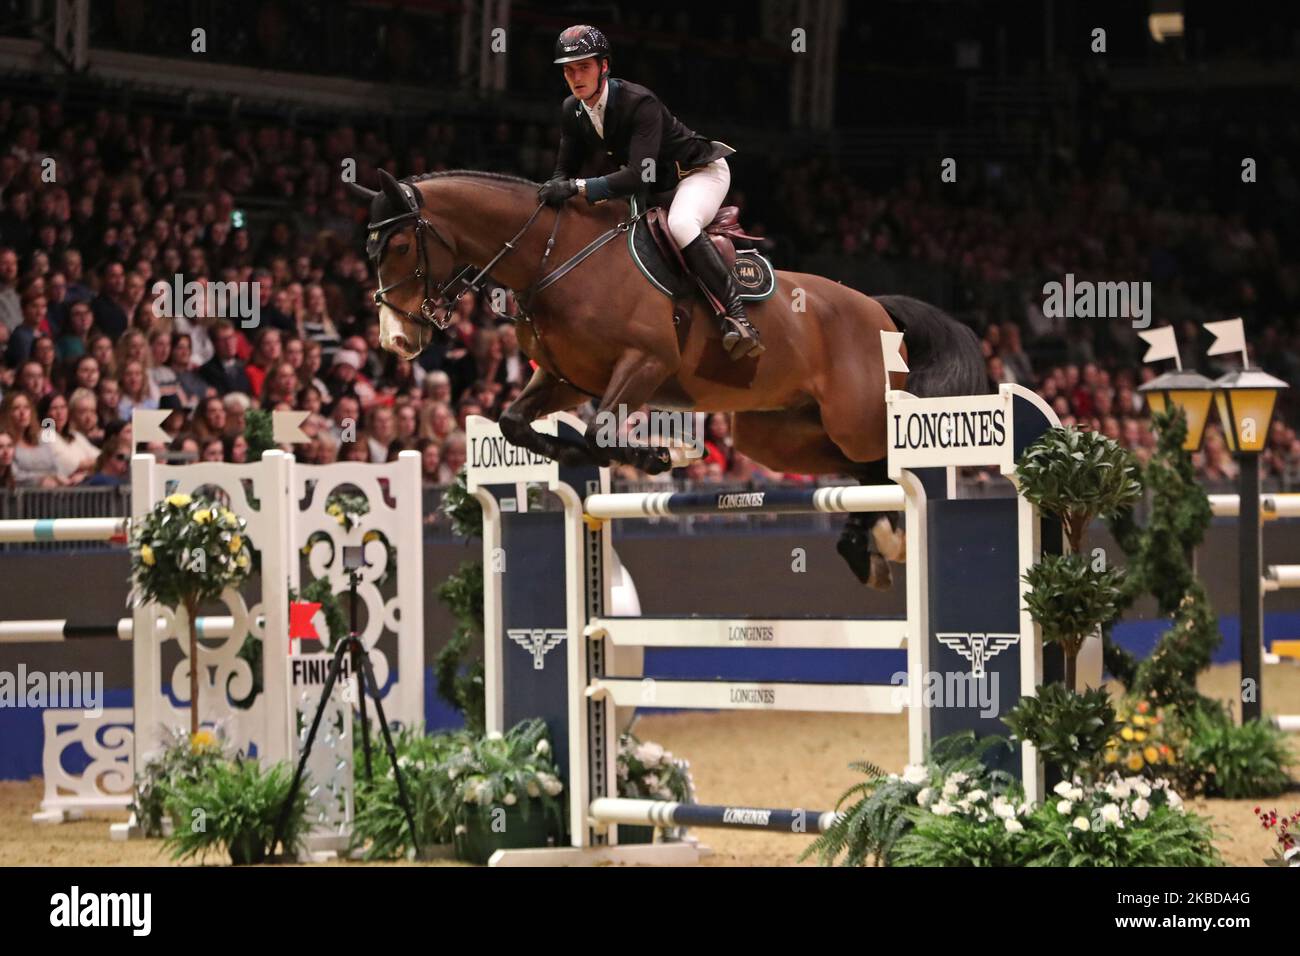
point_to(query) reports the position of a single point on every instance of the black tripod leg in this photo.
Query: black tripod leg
(392, 752)
(335, 664)
(357, 650)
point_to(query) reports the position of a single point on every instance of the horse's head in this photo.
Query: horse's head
(409, 253)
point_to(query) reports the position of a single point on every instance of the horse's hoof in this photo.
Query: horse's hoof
(655, 461)
(892, 544)
(852, 547)
(880, 578)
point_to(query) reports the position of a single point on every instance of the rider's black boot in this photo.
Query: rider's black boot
(739, 338)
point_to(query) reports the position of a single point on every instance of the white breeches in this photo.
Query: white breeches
(697, 200)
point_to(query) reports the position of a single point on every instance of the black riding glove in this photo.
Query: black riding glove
(556, 191)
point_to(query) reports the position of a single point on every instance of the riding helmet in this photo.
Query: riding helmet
(580, 42)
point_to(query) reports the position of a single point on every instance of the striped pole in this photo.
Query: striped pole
(667, 813)
(56, 630)
(836, 500)
(1279, 576)
(1270, 506)
(29, 530)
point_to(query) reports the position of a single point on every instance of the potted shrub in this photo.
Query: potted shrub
(233, 805)
(646, 771)
(184, 758)
(504, 792)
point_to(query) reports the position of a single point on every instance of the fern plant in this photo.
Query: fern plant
(233, 806)
(1236, 762)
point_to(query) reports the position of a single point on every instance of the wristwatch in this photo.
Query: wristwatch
(582, 186)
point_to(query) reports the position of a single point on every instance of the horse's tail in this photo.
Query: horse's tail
(943, 354)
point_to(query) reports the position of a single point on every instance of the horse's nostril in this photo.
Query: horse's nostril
(400, 343)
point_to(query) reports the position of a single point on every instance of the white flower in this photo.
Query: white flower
(1062, 789)
(1139, 786)
(1110, 813)
(1175, 801)
(510, 800)
(1081, 823)
(924, 797)
(1064, 807)
(550, 783)
(461, 829)
(950, 789)
(1003, 809)
(915, 773)
(483, 793)
(495, 735)
(959, 776)
(543, 746)
(403, 761)
(1118, 791)
(1076, 793)
(652, 781)
(943, 809)
(1014, 826)
(1141, 808)
(533, 789)
(975, 796)
(650, 753)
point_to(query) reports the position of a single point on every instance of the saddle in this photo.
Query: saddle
(657, 256)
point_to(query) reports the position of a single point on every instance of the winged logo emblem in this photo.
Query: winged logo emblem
(977, 647)
(537, 641)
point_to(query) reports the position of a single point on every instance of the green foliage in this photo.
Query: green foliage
(234, 806)
(1069, 599)
(967, 839)
(504, 770)
(1159, 563)
(462, 509)
(1078, 476)
(1069, 730)
(1120, 822)
(874, 814)
(459, 683)
(379, 825)
(1235, 762)
(186, 550)
(258, 432)
(180, 760)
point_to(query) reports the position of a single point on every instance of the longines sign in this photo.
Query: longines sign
(938, 432)
(491, 460)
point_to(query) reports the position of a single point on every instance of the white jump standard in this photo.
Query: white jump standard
(553, 650)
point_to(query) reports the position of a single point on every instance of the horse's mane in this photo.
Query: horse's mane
(472, 174)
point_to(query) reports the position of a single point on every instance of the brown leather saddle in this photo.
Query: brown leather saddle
(658, 257)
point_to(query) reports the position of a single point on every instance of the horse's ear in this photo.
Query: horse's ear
(361, 193)
(396, 198)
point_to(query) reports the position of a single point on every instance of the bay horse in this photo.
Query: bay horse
(813, 403)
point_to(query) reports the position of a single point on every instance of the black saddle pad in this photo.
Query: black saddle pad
(754, 275)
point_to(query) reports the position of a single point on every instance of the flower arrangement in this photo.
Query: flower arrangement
(1286, 852)
(1142, 742)
(646, 771)
(182, 758)
(186, 550)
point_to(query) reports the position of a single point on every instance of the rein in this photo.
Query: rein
(440, 298)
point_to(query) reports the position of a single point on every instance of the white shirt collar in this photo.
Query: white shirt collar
(598, 111)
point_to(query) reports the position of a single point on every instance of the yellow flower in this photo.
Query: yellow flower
(1139, 720)
(1112, 756)
(1127, 733)
(236, 542)
(203, 516)
(242, 560)
(178, 500)
(334, 509)
(1140, 735)
(146, 555)
(1134, 762)
(1151, 754)
(341, 518)
(203, 740)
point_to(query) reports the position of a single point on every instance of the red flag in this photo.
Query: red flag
(300, 625)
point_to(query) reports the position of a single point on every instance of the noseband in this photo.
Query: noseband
(443, 296)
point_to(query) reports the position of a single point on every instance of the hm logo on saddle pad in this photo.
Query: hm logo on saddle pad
(978, 648)
(537, 641)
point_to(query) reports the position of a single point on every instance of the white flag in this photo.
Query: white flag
(146, 425)
(1229, 336)
(1163, 345)
(285, 428)
(890, 345)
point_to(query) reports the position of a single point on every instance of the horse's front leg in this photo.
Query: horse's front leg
(636, 377)
(544, 394)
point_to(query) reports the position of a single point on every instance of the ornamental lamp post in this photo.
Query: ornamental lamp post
(1246, 400)
(1190, 391)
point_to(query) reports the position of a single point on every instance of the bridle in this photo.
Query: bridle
(443, 296)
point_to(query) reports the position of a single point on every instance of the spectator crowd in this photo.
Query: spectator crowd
(98, 209)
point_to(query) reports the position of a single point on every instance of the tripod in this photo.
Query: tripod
(365, 675)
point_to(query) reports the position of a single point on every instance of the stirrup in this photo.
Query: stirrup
(739, 338)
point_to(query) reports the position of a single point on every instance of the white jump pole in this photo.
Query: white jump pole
(30, 530)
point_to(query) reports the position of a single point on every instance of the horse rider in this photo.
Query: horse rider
(608, 119)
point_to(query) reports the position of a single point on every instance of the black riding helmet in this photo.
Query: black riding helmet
(579, 42)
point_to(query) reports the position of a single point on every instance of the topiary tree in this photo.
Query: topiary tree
(185, 551)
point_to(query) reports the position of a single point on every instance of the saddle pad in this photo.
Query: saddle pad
(754, 275)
